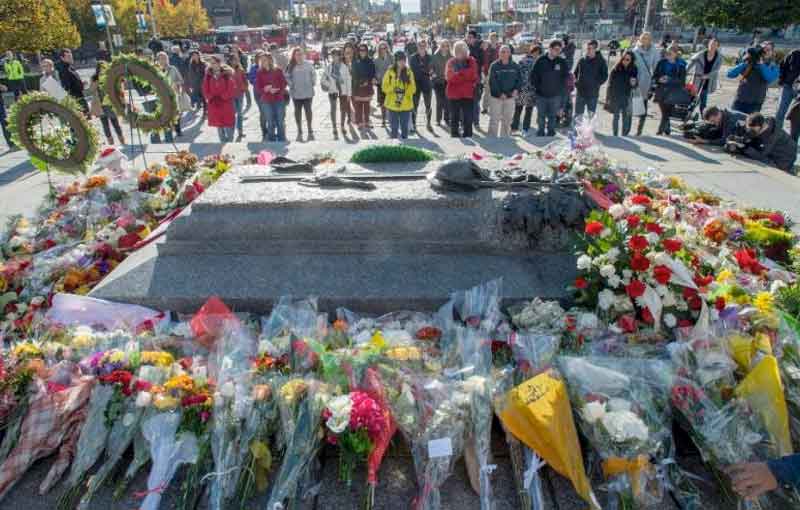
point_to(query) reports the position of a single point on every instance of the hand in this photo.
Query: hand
(663, 79)
(633, 82)
(752, 480)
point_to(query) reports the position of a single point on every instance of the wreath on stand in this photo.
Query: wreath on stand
(54, 132)
(146, 78)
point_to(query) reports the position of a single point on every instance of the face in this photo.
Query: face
(493, 39)
(9, 55)
(195, 58)
(716, 119)
(470, 39)
(505, 53)
(713, 45)
(646, 40)
(554, 51)
(67, 57)
(47, 67)
(591, 50)
(216, 65)
(768, 51)
(626, 60)
(337, 57)
(422, 47)
(363, 52)
(348, 52)
(401, 63)
(445, 47)
(461, 53)
(672, 54)
(163, 60)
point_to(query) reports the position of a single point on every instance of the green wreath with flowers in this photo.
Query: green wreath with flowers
(54, 132)
(141, 75)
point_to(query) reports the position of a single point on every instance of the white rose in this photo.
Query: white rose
(627, 273)
(662, 259)
(623, 303)
(617, 211)
(605, 233)
(607, 270)
(614, 281)
(668, 299)
(584, 262)
(636, 209)
(228, 390)
(605, 299)
(612, 254)
(143, 399)
(670, 321)
(624, 426)
(662, 290)
(37, 301)
(593, 411)
(587, 321)
(652, 238)
(340, 408)
(776, 286)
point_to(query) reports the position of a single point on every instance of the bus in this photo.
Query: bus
(249, 39)
(484, 28)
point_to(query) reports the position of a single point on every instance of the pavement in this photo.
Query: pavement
(23, 189)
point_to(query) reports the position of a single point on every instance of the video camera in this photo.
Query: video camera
(753, 54)
(739, 140)
(701, 129)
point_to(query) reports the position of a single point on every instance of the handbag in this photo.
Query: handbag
(326, 83)
(185, 102)
(638, 108)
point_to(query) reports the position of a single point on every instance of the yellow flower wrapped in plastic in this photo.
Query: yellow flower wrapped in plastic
(293, 390)
(26, 350)
(157, 358)
(83, 338)
(164, 402)
(181, 382)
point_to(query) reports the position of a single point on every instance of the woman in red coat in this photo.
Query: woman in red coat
(219, 89)
(462, 75)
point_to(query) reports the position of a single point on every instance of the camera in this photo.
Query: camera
(701, 129)
(753, 54)
(739, 140)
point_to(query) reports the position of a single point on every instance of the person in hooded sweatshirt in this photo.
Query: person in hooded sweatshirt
(591, 73)
(755, 75)
(505, 83)
(774, 146)
(439, 80)
(647, 57)
(549, 81)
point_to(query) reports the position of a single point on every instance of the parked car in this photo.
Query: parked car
(522, 42)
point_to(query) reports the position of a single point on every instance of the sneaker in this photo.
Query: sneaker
(311, 137)
(526, 132)
(299, 137)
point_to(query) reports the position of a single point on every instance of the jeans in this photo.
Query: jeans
(301, 105)
(361, 113)
(501, 114)
(425, 93)
(398, 121)
(625, 114)
(703, 96)
(442, 104)
(197, 99)
(274, 115)
(526, 120)
(642, 118)
(4, 124)
(547, 114)
(225, 134)
(585, 103)
(238, 103)
(461, 112)
(747, 108)
(787, 94)
(476, 107)
(108, 119)
(666, 111)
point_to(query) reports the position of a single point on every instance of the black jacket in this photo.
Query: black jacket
(590, 75)
(476, 52)
(504, 78)
(619, 88)
(421, 67)
(549, 76)
(728, 126)
(790, 68)
(676, 80)
(72, 83)
(777, 148)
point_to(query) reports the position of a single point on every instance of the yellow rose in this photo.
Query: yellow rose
(180, 382)
(293, 390)
(164, 402)
(157, 358)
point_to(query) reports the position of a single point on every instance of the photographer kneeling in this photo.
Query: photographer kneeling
(717, 126)
(772, 144)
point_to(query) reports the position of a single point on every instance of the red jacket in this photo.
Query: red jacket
(240, 82)
(219, 93)
(274, 78)
(461, 82)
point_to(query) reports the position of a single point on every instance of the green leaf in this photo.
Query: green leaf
(39, 164)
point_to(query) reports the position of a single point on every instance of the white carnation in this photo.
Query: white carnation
(605, 299)
(614, 281)
(681, 305)
(607, 271)
(668, 299)
(670, 321)
(593, 412)
(606, 232)
(584, 262)
(652, 238)
(636, 209)
(624, 426)
(612, 254)
(143, 399)
(627, 273)
(669, 212)
(623, 303)
(340, 408)
(662, 259)
(617, 211)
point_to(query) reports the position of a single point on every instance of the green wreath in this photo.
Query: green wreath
(70, 147)
(141, 73)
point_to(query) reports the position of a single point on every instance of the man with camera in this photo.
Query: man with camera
(770, 144)
(789, 73)
(755, 75)
(717, 126)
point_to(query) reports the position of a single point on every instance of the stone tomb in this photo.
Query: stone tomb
(400, 246)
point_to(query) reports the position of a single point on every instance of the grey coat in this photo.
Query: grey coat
(302, 80)
(646, 61)
(697, 66)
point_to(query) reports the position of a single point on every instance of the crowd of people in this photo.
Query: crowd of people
(456, 82)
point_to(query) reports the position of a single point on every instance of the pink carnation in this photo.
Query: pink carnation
(367, 414)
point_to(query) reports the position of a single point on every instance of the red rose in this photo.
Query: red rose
(655, 228)
(687, 292)
(142, 385)
(746, 257)
(777, 219)
(637, 243)
(639, 262)
(633, 221)
(695, 303)
(672, 245)
(641, 200)
(719, 304)
(128, 240)
(580, 283)
(684, 323)
(635, 289)
(627, 323)
(647, 317)
(593, 228)
(702, 281)
(662, 274)
(193, 400)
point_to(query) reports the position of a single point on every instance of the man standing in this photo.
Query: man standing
(15, 74)
(647, 56)
(4, 121)
(504, 85)
(569, 51)
(789, 72)
(421, 66)
(70, 79)
(590, 74)
(549, 82)
(491, 54)
(476, 52)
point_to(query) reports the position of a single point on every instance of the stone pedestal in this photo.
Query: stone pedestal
(400, 246)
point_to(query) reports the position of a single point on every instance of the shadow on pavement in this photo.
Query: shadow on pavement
(21, 170)
(666, 143)
(626, 144)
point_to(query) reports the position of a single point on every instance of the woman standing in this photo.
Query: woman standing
(439, 77)
(103, 111)
(339, 83)
(240, 80)
(302, 79)
(237, 55)
(270, 89)
(219, 90)
(175, 80)
(194, 80)
(621, 85)
(398, 90)
(382, 64)
(526, 99)
(755, 74)
(462, 76)
(706, 65)
(669, 79)
(363, 84)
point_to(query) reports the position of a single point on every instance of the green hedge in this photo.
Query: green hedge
(392, 154)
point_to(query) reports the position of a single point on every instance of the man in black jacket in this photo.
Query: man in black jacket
(421, 67)
(776, 146)
(725, 120)
(789, 72)
(590, 74)
(70, 79)
(549, 81)
(476, 52)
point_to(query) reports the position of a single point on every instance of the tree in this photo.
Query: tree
(744, 15)
(80, 11)
(182, 19)
(256, 13)
(36, 25)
